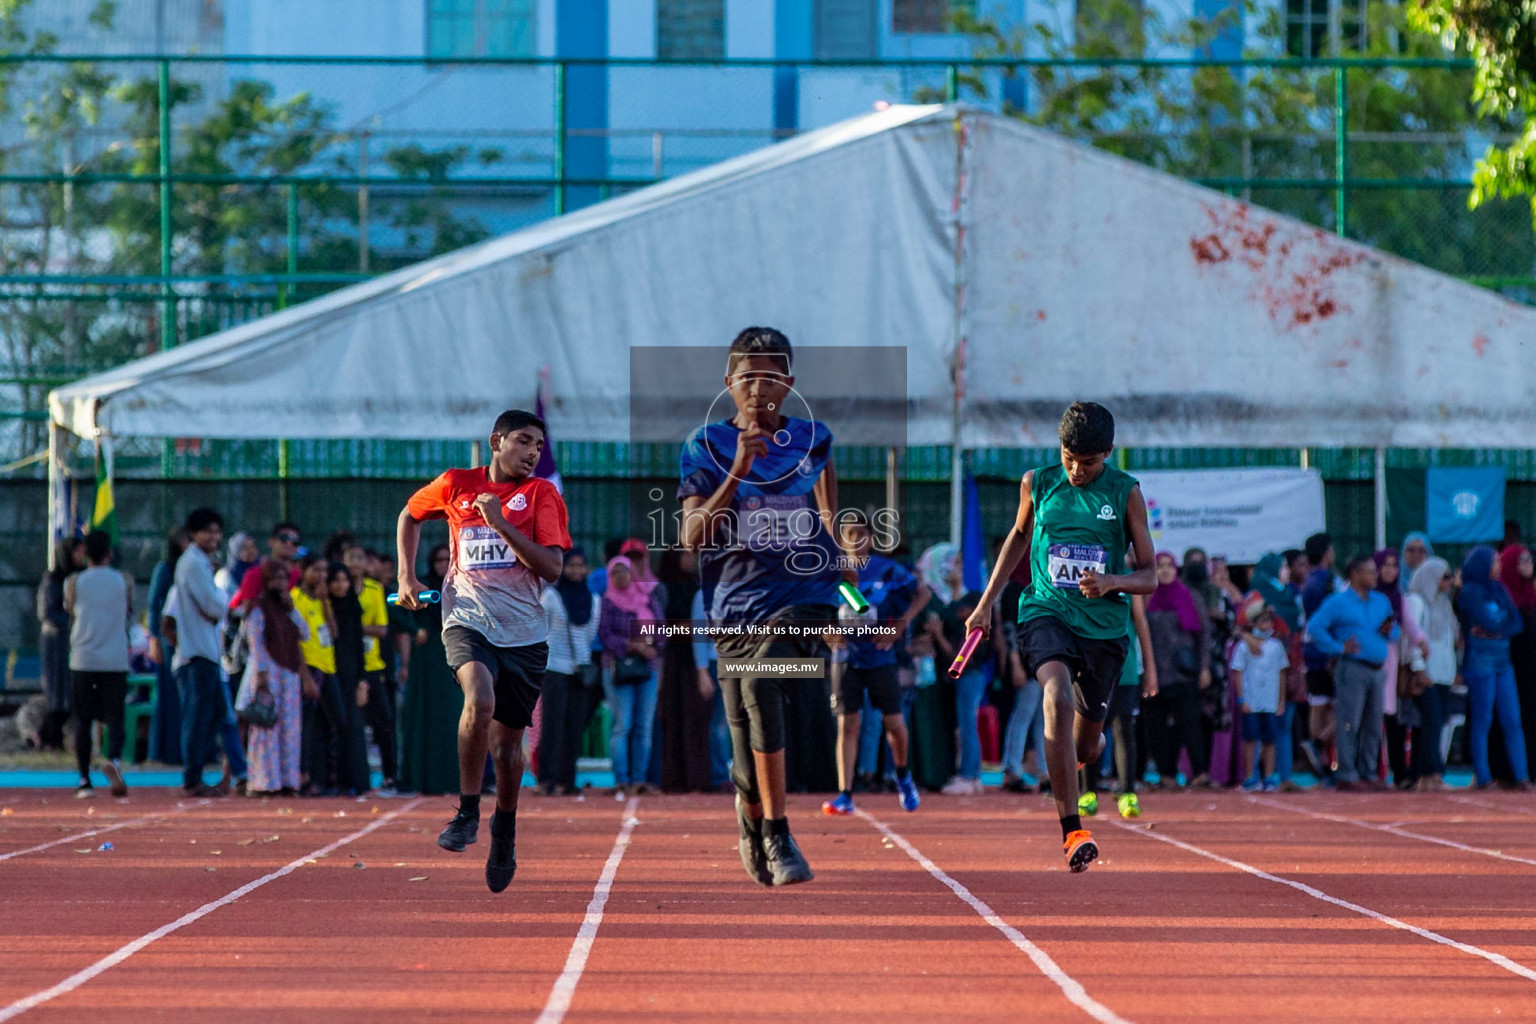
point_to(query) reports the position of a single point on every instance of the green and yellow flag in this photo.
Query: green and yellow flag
(104, 514)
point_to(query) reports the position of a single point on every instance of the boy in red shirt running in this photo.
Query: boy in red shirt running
(508, 533)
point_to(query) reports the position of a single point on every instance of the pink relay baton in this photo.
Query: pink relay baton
(972, 640)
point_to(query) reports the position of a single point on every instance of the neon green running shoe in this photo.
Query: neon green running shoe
(1088, 804)
(1130, 807)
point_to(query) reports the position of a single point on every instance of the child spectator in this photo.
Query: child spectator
(1258, 660)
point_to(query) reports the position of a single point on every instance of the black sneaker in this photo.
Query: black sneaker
(463, 830)
(751, 843)
(501, 865)
(786, 863)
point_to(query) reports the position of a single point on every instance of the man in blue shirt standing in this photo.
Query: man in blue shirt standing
(1355, 627)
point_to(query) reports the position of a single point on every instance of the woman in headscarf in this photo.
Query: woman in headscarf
(1428, 605)
(570, 681)
(1518, 573)
(1399, 716)
(1182, 656)
(645, 580)
(352, 775)
(684, 709)
(1488, 619)
(1210, 580)
(58, 683)
(433, 700)
(274, 630)
(240, 558)
(631, 681)
(1416, 548)
(939, 567)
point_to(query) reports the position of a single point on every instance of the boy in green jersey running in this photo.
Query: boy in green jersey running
(1076, 521)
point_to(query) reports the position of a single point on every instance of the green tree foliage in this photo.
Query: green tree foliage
(1268, 133)
(59, 116)
(1501, 37)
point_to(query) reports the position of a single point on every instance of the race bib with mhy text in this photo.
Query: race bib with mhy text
(481, 547)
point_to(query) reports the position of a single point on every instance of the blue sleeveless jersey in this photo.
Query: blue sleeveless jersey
(889, 589)
(769, 550)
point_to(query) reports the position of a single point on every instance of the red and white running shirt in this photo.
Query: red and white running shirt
(489, 589)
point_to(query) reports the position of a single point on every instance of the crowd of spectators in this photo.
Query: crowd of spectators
(291, 672)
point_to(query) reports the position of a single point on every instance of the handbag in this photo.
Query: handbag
(1410, 683)
(631, 669)
(259, 713)
(1187, 661)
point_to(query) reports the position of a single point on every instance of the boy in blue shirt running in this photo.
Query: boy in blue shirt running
(759, 493)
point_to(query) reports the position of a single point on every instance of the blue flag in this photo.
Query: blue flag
(1464, 506)
(973, 542)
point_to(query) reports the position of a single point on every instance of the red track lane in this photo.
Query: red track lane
(1155, 933)
(352, 944)
(687, 935)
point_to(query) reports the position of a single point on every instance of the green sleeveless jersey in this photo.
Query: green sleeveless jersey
(1077, 529)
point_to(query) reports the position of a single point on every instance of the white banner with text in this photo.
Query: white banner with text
(1239, 514)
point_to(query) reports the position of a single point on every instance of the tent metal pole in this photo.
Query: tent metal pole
(1381, 497)
(475, 454)
(56, 485)
(891, 483)
(957, 364)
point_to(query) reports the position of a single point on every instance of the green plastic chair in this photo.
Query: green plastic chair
(139, 708)
(594, 743)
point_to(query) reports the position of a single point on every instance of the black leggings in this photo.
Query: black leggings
(379, 713)
(568, 707)
(1173, 722)
(1122, 729)
(99, 696)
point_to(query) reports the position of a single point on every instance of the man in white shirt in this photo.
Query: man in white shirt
(200, 603)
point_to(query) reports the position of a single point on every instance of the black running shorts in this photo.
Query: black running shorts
(881, 683)
(517, 672)
(754, 704)
(1095, 665)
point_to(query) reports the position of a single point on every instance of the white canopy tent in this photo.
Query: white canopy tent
(1019, 270)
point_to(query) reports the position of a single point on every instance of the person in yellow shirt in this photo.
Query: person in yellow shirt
(376, 695)
(323, 711)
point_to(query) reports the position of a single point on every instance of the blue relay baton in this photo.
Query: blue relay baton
(428, 596)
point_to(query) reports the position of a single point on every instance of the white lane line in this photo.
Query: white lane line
(576, 962)
(111, 960)
(93, 832)
(1488, 806)
(1070, 986)
(1394, 830)
(1317, 894)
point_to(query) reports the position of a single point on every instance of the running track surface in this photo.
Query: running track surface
(1211, 907)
